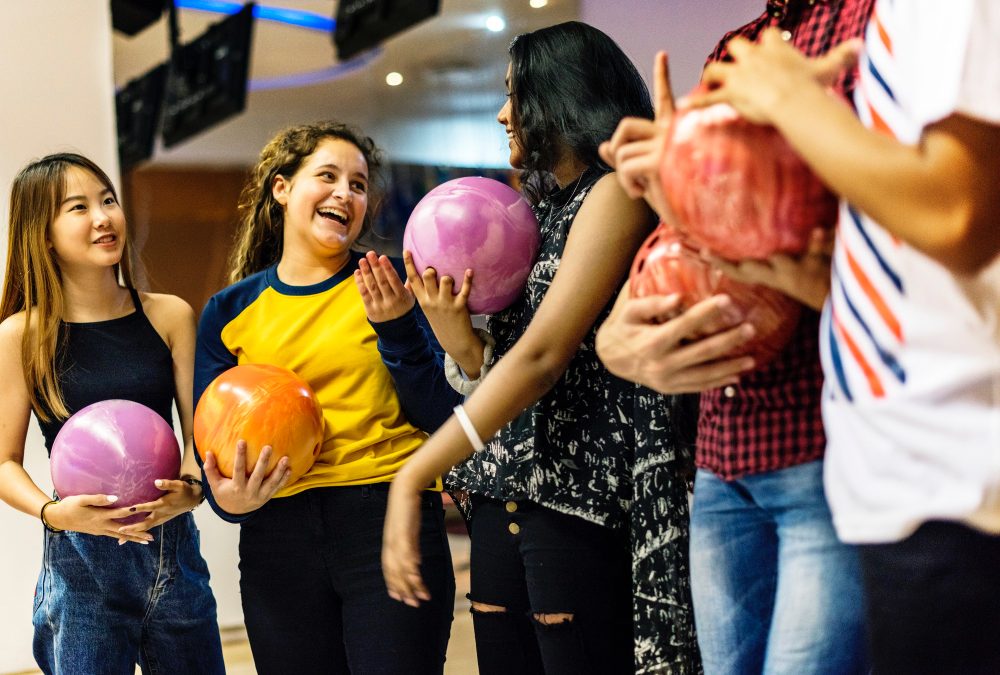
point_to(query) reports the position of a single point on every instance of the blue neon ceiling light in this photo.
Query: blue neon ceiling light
(316, 76)
(292, 17)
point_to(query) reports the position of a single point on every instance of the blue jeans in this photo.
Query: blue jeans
(774, 590)
(100, 608)
(314, 599)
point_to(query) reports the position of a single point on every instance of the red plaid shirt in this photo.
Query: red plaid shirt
(772, 420)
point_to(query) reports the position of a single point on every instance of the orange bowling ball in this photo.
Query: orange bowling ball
(263, 405)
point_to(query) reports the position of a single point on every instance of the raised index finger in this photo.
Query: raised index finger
(663, 95)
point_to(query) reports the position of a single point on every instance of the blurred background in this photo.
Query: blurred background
(176, 102)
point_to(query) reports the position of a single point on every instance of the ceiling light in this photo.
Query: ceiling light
(394, 79)
(538, 3)
(292, 17)
(495, 23)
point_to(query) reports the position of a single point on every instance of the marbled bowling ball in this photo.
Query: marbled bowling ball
(262, 405)
(115, 447)
(739, 188)
(479, 224)
(668, 264)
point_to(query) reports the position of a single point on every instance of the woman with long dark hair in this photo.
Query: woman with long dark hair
(75, 331)
(549, 495)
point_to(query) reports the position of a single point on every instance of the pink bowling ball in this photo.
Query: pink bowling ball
(114, 447)
(479, 224)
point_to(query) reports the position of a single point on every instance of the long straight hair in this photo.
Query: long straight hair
(260, 234)
(33, 281)
(570, 85)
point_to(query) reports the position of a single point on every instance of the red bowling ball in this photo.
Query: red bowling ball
(667, 264)
(479, 224)
(739, 188)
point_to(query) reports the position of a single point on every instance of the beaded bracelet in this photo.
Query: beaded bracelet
(41, 516)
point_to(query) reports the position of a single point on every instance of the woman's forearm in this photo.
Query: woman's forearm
(19, 491)
(521, 378)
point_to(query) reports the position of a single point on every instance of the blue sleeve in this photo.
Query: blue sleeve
(415, 360)
(211, 358)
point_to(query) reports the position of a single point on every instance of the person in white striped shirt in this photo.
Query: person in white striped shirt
(911, 327)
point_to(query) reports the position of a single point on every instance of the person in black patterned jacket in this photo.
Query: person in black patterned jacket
(551, 492)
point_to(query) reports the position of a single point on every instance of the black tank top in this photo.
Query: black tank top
(119, 358)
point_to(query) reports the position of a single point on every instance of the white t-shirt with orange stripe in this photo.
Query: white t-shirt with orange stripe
(911, 353)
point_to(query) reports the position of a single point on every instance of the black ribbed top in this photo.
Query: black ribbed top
(119, 358)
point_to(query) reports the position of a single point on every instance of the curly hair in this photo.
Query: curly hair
(259, 235)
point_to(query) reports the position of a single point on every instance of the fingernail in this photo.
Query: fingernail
(121, 541)
(144, 542)
(158, 482)
(112, 498)
(747, 330)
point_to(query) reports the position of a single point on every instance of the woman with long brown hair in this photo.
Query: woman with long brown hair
(76, 331)
(303, 299)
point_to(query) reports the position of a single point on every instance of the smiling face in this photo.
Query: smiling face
(506, 118)
(89, 227)
(325, 201)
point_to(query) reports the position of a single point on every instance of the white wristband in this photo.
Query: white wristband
(470, 431)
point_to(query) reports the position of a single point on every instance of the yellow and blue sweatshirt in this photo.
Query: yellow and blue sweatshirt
(381, 386)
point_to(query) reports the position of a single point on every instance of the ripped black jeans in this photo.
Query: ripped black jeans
(533, 561)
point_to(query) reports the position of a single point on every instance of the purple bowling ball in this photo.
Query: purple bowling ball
(114, 447)
(479, 224)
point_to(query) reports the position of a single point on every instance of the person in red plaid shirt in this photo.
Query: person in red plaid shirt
(774, 590)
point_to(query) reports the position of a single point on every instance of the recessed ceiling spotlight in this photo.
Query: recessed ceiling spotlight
(394, 79)
(538, 3)
(495, 23)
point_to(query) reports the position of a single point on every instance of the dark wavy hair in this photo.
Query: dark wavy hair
(259, 237)
(570, 85)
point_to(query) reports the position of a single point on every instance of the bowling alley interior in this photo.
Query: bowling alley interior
(175, 99)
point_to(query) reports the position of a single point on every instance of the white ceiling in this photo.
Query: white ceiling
(453, 69)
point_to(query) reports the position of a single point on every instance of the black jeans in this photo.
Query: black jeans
(314, 599)
(532, 560)
(933, 602)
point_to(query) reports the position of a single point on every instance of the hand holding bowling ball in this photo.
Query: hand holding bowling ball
(739, 188)
(667, 264)
(263, 405)
(117, 448)
(479, 224)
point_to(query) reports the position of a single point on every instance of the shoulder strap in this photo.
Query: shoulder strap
(136, 300)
